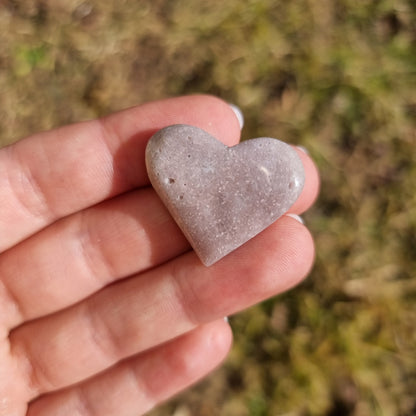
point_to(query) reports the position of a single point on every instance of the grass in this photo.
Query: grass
(338, 77)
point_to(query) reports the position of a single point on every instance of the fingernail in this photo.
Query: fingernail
(295, 217)
(226, 319)
(304, 150)
(238, 113)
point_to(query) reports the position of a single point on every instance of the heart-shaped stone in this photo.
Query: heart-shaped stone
(222, 196)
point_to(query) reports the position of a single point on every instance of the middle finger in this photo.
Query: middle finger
(80, 254)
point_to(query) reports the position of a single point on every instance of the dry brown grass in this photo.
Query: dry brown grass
(338, 77)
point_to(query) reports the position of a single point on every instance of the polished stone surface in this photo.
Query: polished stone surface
(222, 196)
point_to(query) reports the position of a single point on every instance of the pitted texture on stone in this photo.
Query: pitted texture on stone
(222, 196)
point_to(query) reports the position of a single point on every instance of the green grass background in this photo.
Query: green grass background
(338, 77)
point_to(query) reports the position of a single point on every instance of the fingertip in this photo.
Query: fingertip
(312, 183)
(272, 262)
(303, 244)
(223, 121)
(220, 338)
(239, 114)
(296, 217)
(290, 251)
(211, 341)
(211, 114)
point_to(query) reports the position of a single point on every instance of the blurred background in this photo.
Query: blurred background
(338, 77)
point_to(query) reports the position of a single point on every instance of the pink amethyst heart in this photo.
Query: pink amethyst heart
(222, 196)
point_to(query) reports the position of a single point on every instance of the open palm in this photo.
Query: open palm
(104, 309)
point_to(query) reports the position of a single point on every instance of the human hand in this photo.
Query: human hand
(104, 310)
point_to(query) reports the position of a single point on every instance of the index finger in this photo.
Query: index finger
(54, 174)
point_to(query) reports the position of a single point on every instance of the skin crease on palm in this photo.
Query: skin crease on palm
(104, 309)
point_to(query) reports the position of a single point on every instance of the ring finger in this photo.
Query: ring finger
(137, 384)
(144, 311)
